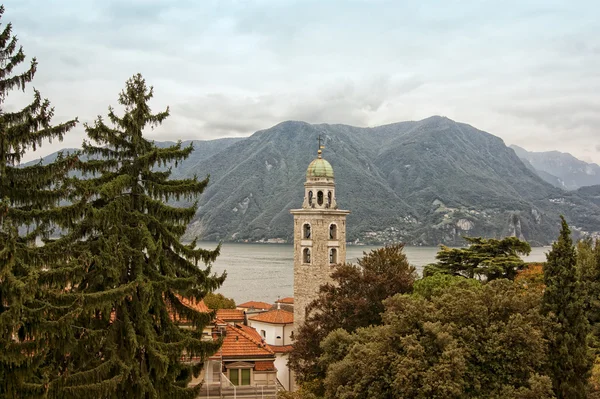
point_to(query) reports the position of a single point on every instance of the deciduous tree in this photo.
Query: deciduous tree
(472, 341)
(354, 300)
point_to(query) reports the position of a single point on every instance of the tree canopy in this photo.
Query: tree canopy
(354, 300)
(484, 258)
(471, 341)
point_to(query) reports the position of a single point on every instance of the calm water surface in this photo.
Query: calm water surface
(263, 272)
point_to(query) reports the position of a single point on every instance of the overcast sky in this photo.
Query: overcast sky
(525, 70)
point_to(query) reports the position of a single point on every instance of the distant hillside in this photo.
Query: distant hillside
(202, 149)
(591, 193)
(561, 169)
(423, 183)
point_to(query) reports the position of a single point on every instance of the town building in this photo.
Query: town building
(319, 235)
(276, 328)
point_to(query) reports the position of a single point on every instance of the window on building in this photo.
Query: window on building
(234, 376)
(263, 333)
(333, 256)
(320, 197)
(306, 230)
(310, 197)
(328, 199)
(245, 376)
(239, 376)
(333, 232)
(306, 255)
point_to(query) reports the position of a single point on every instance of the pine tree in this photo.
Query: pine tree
(569, 361)
(28, 200)
(484, 258)
(136, 270)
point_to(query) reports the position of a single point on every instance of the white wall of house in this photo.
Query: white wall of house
(283, 373)
(273, 334)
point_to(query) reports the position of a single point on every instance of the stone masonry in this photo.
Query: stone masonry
(313, 232)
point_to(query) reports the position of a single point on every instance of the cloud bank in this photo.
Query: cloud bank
(525, 72)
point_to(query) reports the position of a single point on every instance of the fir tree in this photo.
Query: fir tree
(135, 269)
(28, 200)
(569, 361)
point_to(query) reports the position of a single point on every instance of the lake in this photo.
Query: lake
(264, 272)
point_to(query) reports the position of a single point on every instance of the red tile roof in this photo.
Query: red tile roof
(287, 300)
(230, 315)
(264, 366)
(252, 333)
(255, 305)
(282, 348)
(239, 343)
(191, 303)
(276, 316)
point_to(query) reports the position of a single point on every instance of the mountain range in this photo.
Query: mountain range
(421, 182)
(560, 169)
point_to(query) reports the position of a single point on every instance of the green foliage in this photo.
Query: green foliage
(471, 341)
(127, 268)
(216, 301)
(563, 301)
(354, 300)
(437, 283)
(29, 197)
(588, 268)
(487, 259)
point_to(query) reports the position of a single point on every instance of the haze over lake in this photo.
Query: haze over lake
(264, 272)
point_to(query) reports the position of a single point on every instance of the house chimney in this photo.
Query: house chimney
(278, 305)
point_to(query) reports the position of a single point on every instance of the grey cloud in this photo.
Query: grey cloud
(350, 102)
(598, 147)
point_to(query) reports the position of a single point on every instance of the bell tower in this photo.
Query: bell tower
(319, 235)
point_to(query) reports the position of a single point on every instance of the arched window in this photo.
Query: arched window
(333, 256)
(320, 197)
(328, 199)
(306, 231)
(310, 197)
(306, 256)
(333, 231)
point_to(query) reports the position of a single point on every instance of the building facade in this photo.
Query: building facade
(319, 236)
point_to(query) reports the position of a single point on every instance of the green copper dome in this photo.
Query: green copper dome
(319, 168)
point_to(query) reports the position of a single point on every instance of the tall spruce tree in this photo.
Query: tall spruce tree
(28, 200)
(136, 269)
(569, 360)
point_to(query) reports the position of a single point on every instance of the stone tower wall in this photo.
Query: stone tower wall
(309, 277)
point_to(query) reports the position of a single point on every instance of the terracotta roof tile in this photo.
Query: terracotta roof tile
(276, 316)
(252, 333)
(255, 305)
(287, 300)
(264, 366)
(191, 303)
(230, 314)
(282, 348)
(240, 343)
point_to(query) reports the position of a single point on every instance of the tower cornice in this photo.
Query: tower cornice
(314, 211)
